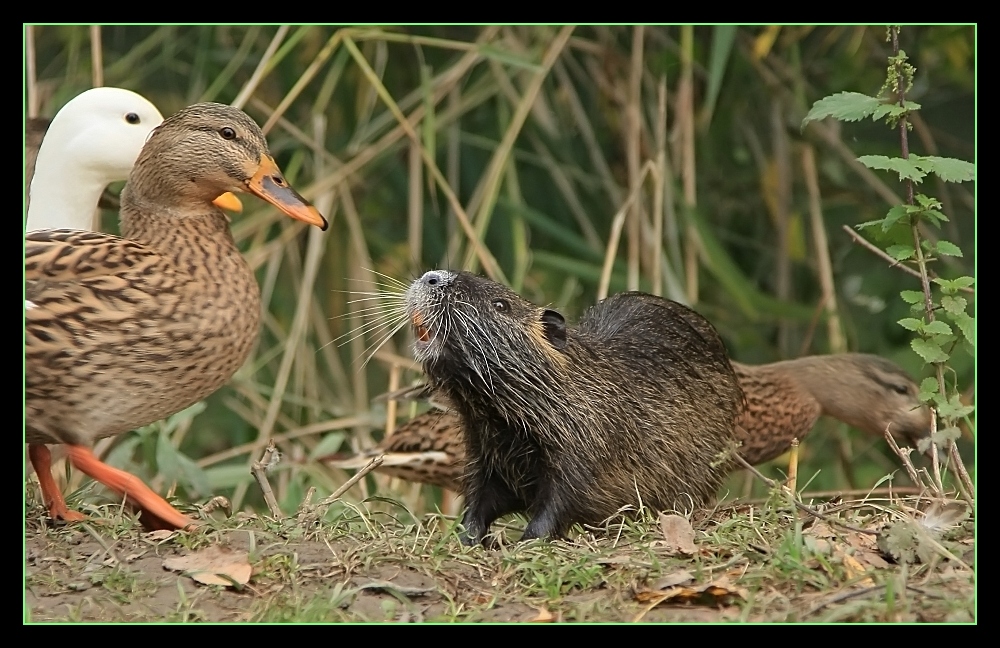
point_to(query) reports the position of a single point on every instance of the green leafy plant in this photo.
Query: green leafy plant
(941, 320)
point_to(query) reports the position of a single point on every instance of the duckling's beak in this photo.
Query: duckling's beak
(229, 202)
(268, 183)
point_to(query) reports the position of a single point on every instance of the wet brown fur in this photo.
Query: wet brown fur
(636, 405)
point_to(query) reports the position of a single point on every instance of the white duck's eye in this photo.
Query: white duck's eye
(227, 133)
(132, 118)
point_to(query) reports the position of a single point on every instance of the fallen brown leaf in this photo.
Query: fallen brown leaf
(161, 534)
(544, 616)
(213, 566)
(678, 534)
(671, 580)
(717, 593)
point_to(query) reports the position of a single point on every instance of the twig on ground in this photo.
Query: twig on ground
(217, 502)
(259, 471)
(965, 485)
(327, 502)
(799, 505)
(904, 456)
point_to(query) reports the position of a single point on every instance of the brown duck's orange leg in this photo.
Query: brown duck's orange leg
(52, 497)
(155, 512)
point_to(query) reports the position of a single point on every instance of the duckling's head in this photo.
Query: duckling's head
(205, 150)
(100, 133)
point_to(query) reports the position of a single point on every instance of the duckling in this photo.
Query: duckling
(784, 401)
(121, 332)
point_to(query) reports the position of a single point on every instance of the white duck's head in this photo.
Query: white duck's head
(92, 141)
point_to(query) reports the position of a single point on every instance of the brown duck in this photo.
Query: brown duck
(122, 332)
(784, 401)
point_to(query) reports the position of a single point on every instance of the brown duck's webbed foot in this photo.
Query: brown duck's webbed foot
(52, 497)
(155, 513)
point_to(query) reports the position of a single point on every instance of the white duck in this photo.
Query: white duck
(91, 142)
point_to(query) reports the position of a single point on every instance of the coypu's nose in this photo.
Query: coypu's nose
(437, 278)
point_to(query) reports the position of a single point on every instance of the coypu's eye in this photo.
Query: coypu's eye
(501, 305)
(227, 133)
(900, 389)
(132, 118)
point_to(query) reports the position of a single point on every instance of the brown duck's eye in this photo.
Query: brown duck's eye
(227, 133)
(132, 118)
(501, 305)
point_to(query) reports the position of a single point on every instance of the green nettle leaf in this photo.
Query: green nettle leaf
(900, 252)
(928, 389)
(893, 216)
(928, 350)
(935, 217)
(948, 169)
(948, 248)
(954, 409)
(927, 202)
(937, 327)
(845, 106)
(912, 296)
(911, 323)
(906, 169)
(949, 286)
(953, 304)
(967, 325)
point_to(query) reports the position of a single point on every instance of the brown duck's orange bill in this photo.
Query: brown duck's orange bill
(229, 202)
(269, 184)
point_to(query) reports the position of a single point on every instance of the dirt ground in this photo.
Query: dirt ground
(746, 564)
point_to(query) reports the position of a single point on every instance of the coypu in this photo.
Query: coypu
(636, 405)
(784, 401)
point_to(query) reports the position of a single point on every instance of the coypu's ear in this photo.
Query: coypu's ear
(554, 326)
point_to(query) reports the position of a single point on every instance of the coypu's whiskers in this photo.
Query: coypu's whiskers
(393, 281)
(375, 346)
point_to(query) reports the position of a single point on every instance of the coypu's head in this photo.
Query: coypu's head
(473, 329)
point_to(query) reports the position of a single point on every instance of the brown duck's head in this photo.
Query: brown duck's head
(208, 149)
(870, 393)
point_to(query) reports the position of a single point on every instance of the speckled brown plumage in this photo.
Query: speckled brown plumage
(784, 401)
(122, 332)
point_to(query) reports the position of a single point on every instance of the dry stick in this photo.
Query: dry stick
(29, 46)
(799, 505)
(304, 79)
(904, 456)
(501, 156)
(685, 122)
(485, 257)
(258, 74)
(893, 263)
(837, 342)
(633, 133)
(259, 471)
(793, 465)
(921, 261)
(966, 487)
(370, 466)
(96, 56)
(617, 224)
(890, 490)
(659, 183)
(839, 598)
